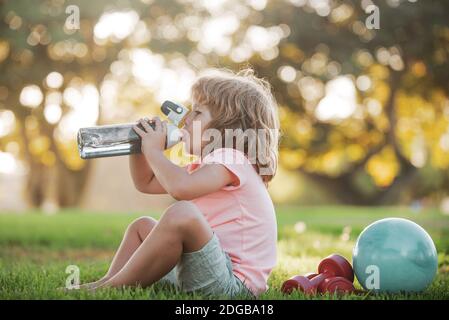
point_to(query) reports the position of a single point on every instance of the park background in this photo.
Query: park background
(364, 117)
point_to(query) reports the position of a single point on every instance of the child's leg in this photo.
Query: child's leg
(135, 234)
(182, 228)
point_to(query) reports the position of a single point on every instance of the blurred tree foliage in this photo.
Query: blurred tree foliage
(393, 137)
(400, 124)
(34, 41)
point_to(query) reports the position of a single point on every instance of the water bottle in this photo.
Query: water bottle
(121, 139)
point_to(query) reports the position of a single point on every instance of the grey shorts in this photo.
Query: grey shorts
(207, 271)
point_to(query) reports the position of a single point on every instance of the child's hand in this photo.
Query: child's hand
(152, 139)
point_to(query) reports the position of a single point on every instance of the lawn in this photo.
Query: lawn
(35, 250)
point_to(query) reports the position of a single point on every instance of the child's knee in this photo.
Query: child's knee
(142, 226)
(182, 214)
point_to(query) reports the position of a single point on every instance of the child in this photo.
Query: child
(219, 238)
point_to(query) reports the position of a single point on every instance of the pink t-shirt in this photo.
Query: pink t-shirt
(243, 218)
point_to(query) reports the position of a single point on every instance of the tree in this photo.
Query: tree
(371, 155)
(37, 48)
(364, 146)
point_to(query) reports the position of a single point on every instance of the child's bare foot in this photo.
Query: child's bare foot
(98, 285)
(92, 285)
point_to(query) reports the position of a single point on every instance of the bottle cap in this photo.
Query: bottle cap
(175, 112)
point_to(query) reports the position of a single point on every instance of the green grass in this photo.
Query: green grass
(35, 250)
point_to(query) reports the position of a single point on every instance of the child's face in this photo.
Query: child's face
(197, 120)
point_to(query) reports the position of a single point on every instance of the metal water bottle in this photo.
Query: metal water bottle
(121, 139)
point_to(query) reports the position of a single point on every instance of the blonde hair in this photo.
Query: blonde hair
(243, 101)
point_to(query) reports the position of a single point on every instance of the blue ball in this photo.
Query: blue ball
(394, 255)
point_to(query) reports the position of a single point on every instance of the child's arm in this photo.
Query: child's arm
(176, 180)
(184, 186)
(143, 176)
